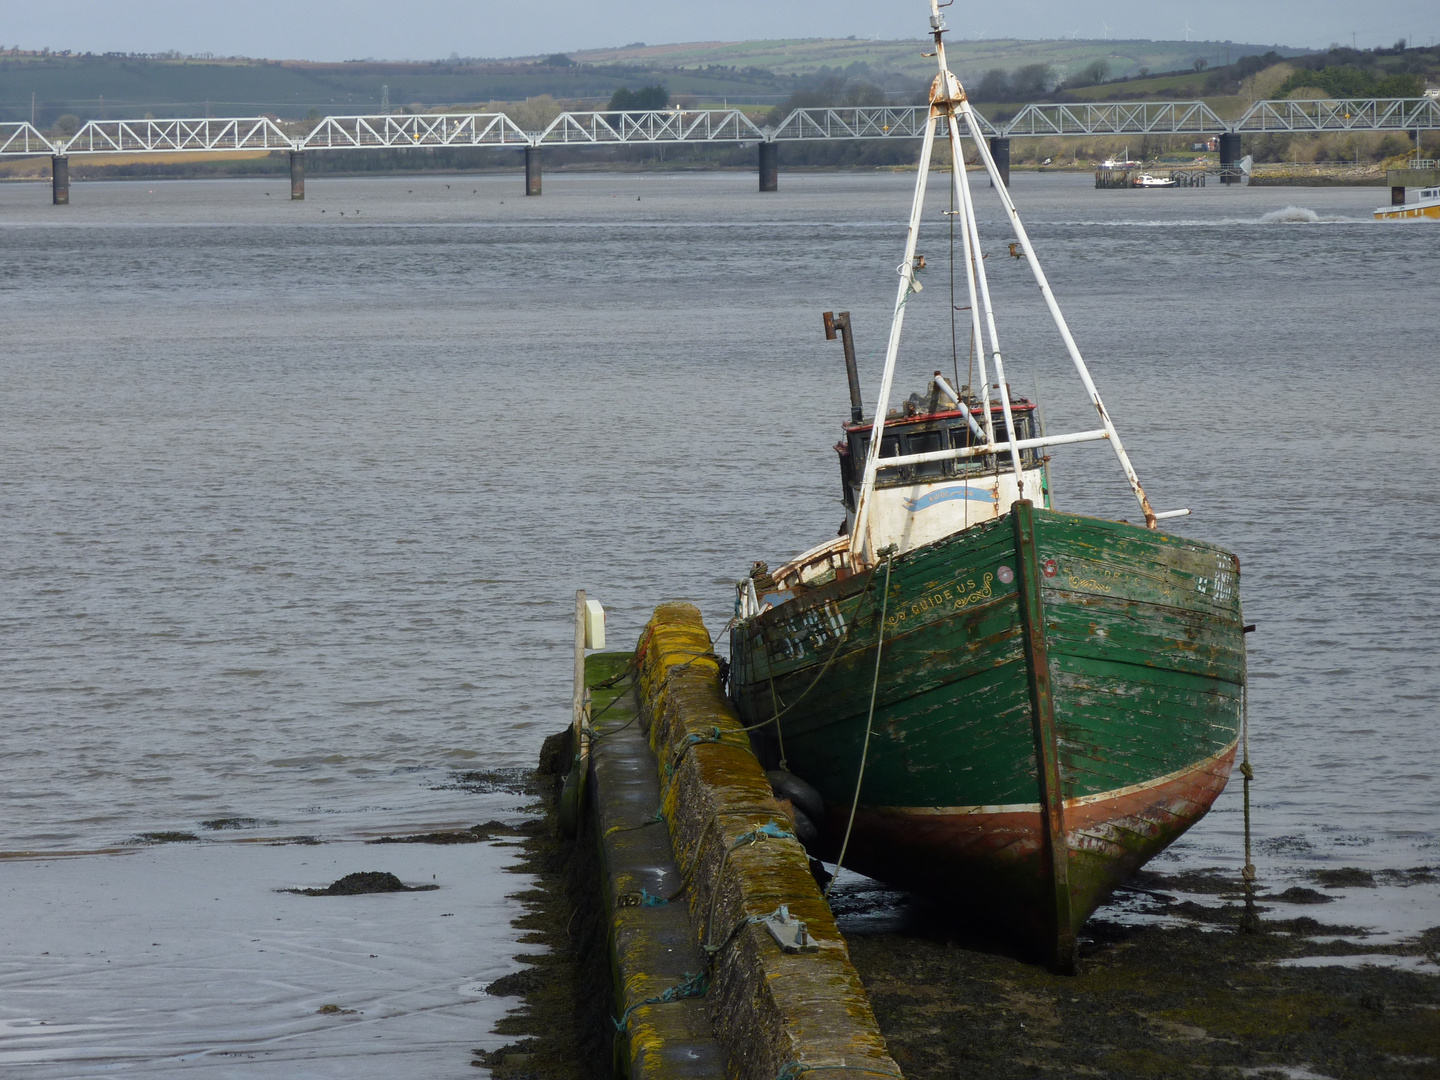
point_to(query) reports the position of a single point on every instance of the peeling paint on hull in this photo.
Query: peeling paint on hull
(1143, 653)
(990, 858)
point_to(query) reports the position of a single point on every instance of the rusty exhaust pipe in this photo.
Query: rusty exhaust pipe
(841, 323)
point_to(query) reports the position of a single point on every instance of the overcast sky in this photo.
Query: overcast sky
(429, 29)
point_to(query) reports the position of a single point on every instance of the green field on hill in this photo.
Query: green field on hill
(763, 73)
(968, 58)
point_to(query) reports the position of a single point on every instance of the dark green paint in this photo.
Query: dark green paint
(1145, 663)
(1056, 854)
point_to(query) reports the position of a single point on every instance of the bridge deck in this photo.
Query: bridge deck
(674, 126)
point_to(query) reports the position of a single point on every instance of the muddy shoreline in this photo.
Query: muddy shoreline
(561, 1028)
(1191, 995)
(1188, 994)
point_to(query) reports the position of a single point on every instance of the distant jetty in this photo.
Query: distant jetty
(1330, 174)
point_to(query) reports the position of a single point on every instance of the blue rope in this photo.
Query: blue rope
(692, 986)
(772, 829)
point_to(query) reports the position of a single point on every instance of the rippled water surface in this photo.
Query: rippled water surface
(294, 504)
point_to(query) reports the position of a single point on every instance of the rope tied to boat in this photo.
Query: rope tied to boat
(696, 985)
(772, 830)
(774, 718)
(888, 554)
(1250, 920)
(713, 951)
(716, 738)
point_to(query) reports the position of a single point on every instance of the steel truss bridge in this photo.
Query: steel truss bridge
(672, 126)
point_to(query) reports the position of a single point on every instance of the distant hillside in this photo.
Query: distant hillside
(969, 59)
(100, 86)
(756, 72)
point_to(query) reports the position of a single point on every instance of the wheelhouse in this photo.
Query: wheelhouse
(925, 426)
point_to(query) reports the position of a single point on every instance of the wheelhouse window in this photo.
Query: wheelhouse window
(951, 433)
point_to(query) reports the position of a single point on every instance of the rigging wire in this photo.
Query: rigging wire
(954, 345)
(889, 556)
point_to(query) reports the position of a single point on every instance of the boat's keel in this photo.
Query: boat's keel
(991, 862)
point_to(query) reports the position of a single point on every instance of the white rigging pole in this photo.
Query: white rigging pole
(949, 103)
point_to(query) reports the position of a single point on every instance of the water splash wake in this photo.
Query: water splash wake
(1290, 214)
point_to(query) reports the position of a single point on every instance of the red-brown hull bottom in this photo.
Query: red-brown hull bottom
(990, 861)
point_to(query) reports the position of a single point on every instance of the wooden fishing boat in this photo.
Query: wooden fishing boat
(993, 700)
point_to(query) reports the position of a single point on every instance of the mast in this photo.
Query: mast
(908, 284)
(948, 102)
(1112, 436)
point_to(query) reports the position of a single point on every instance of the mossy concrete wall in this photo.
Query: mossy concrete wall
(663, 1030)
(776, 1014)
(1408, 178)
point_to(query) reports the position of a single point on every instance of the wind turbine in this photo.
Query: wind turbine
(1188, 31)
(1104, 29)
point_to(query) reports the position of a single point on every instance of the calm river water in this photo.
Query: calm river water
(294, 498)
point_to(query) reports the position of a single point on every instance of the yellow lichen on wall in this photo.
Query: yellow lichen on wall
(734, 844)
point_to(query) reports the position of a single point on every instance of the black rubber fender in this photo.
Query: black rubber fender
(805, 799)
(806, 831)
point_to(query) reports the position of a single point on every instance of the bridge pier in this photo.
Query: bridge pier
(1000, 151)
(769, 166)
(1230, 157)
(532, 170)
(60, 180)
(297, 174)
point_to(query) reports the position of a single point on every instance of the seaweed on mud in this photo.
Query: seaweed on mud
(491, 830)
(164, 838)
(1429, 943)
(520, 983)
(1298, 894)
(1207, 881)
(366, 881)
(1286, 845)
(220, 823)
(1345, 877)
(562, 1026)
(516, 1055)
(491, 781)
(1153, 1001)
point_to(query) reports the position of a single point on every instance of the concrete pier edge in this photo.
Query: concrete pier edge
(773, 1014)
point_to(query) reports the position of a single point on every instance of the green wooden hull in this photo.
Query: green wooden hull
(1105, 658)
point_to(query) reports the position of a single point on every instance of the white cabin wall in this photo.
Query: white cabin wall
(919, 514)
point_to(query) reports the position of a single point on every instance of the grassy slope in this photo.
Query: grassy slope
(969, 58)
(101, 86)
(96, 86)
